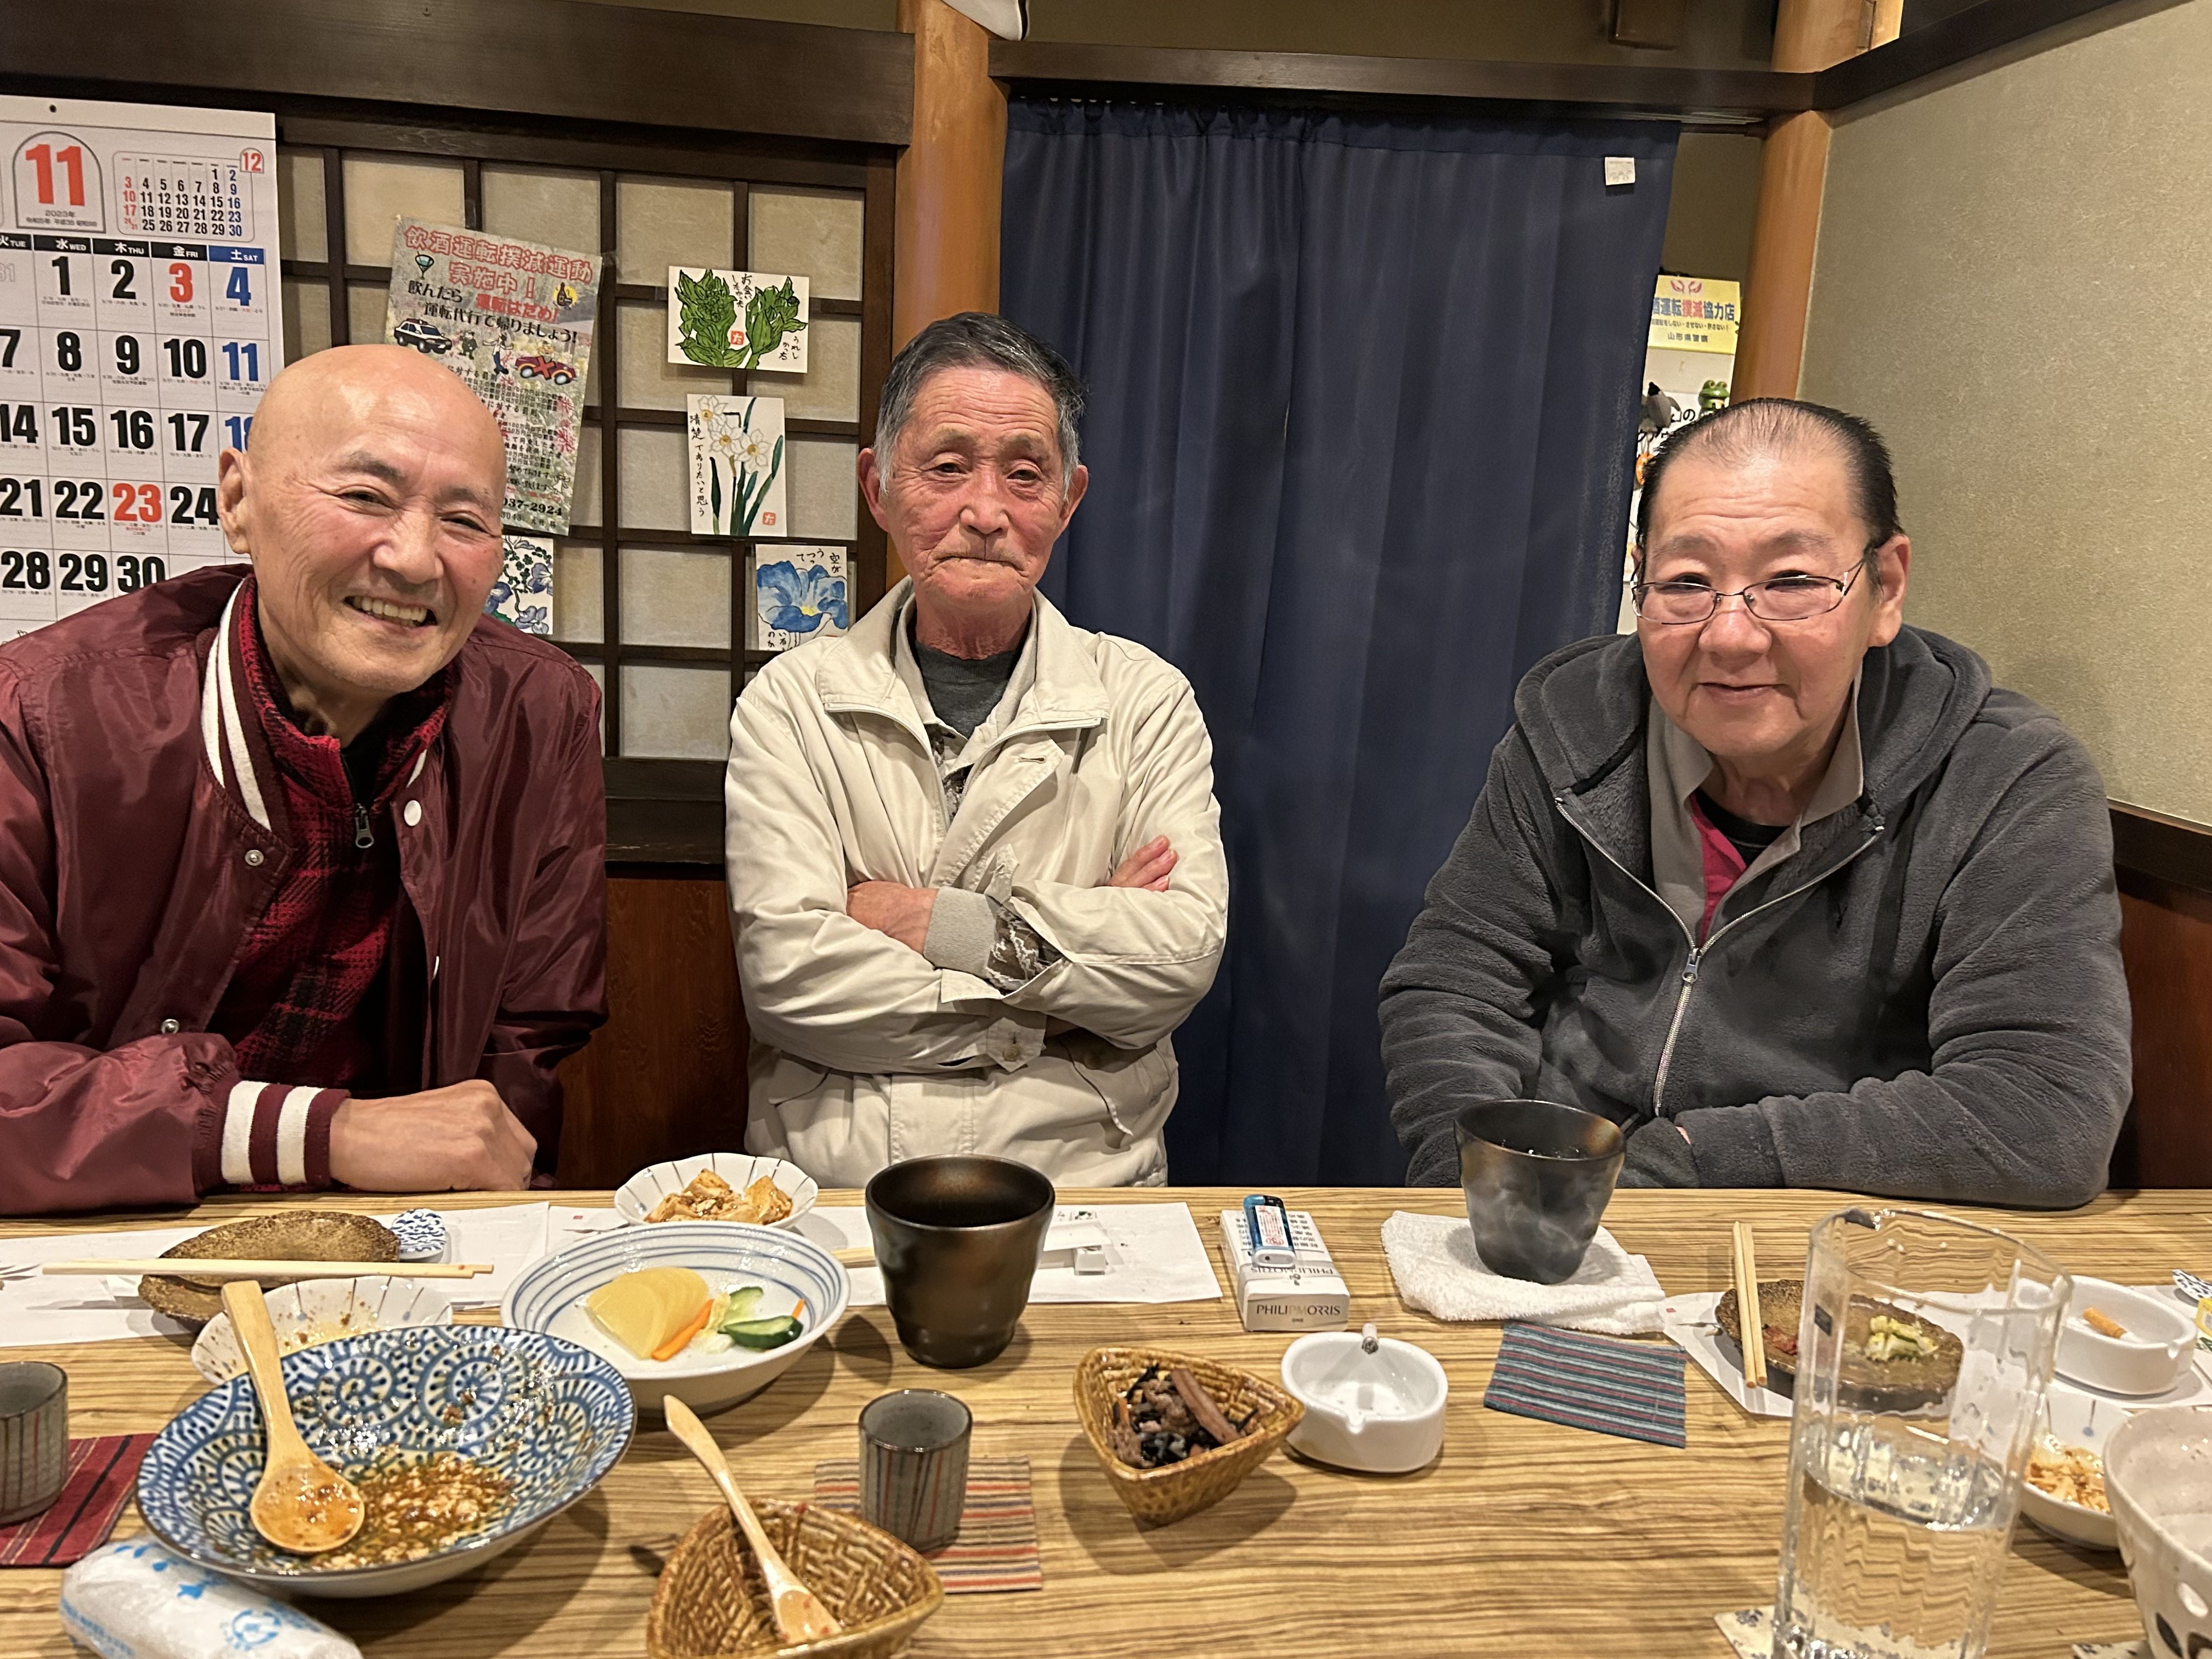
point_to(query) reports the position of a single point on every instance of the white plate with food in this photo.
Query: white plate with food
(2064, 1490)
(319, 1311)
(711, 1312)
(759, 1192)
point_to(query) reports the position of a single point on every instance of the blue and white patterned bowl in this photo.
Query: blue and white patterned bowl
(790, 1268)
(552, 1417)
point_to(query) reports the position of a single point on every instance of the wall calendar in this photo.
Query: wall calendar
(140, 316)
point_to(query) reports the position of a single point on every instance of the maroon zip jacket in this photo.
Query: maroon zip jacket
(136, 852)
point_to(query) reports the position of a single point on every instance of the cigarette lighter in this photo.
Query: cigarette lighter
(1268, 1224)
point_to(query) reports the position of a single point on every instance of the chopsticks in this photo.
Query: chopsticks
(1747, 1317)
(218, 1270)
(858, 1256)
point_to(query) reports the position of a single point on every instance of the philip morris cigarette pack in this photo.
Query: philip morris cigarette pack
(1308, 1296)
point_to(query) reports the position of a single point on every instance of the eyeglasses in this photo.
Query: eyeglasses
(1786, 598)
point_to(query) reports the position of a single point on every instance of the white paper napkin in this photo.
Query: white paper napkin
(510, 1236)
(1433, 1259)
(35, 1311)
(1153, 1254)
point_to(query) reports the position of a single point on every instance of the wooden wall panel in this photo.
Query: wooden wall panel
(665, 1075)
(2166, 937)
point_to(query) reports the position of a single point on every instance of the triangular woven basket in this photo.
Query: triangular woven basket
(711, 1604)
(1160, 1496)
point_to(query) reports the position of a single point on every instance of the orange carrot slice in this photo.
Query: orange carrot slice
(676, 1344)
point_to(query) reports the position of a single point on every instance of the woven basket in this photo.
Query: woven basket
(1160, 1496)
(711, 1604)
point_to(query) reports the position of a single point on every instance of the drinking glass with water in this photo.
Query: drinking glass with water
(1923, 1352)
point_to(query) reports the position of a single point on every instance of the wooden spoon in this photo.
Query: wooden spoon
(303, 1504)
(799, 1614)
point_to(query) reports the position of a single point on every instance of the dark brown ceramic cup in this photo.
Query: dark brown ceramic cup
(958, 1240)
(1537, 1176)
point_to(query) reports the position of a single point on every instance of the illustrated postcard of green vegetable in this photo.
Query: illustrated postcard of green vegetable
(737, 467)
(737, 320)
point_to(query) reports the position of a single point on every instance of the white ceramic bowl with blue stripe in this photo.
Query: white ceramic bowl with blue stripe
(795, 1275)
(549, 1416)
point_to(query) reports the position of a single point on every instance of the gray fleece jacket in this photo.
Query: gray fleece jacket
(1924, 1001)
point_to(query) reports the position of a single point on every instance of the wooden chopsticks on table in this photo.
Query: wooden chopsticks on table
(215, 1269)
(1747, 1317)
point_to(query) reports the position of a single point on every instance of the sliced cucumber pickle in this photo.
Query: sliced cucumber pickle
(763, 1332)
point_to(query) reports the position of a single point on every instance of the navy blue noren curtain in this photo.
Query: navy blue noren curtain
(1364, 399)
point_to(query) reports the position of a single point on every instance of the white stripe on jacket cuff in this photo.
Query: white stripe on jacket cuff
(292, 1137)
(238, 1133)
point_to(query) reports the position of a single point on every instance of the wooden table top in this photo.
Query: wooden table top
(1523, 1538)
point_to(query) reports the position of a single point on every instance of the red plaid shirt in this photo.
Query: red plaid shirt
(308, 1000)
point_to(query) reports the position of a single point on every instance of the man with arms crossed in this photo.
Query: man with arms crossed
(974, 862)
(1784, 887)
(301, 870)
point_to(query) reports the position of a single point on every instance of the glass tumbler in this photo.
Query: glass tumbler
(1922, 1354)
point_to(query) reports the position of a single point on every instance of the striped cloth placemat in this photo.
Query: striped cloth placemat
(102, 1473)
(997, 1549)
(1596, 1382)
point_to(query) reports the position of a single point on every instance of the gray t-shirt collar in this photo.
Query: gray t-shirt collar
(1678, 765)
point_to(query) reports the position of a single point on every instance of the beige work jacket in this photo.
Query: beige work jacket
(863, 1052)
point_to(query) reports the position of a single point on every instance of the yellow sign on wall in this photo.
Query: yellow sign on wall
(1695, 313)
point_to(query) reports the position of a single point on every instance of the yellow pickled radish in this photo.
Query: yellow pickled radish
(643, 1310)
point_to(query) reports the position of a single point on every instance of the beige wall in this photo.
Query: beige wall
(2012, 284)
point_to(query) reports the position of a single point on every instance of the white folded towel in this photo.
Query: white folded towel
(1433, 1258)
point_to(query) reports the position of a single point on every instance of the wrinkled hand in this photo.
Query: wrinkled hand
(461, 1137)
(900, 913)
(1148, 867)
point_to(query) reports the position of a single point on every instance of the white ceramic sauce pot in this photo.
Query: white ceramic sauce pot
(1373, 1404)
(2151, 1359)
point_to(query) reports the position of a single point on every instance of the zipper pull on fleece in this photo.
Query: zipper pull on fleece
(362, 835)
(1689, 967)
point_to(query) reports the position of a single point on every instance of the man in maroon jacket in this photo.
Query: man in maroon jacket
(302, 869)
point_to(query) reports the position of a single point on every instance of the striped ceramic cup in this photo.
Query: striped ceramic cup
(34, 1438)
(914, 1465)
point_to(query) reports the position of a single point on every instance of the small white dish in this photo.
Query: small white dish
(2073, 1417)
(322, 1310)
(421, 1233)
(1378, 1409)
(2150, 1359)
(789, 1268)
(635, 1197)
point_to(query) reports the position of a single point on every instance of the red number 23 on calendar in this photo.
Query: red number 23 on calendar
(138, 504)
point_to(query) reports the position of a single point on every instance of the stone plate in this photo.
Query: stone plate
(282, 1236)
(1891, 1386)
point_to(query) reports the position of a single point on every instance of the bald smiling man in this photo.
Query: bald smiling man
(302, 861)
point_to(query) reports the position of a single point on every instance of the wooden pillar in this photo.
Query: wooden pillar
(948, 176)
(1808, 35)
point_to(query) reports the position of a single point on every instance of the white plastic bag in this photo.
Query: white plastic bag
(136, 1600)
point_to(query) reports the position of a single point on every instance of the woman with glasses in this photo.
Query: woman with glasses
(1784, 886)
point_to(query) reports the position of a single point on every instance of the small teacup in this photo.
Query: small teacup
(34, 1438)
(914, 1465)
(1537, 1176)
